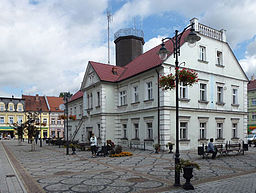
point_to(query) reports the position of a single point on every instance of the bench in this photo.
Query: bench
(202, 150)
(237, 147)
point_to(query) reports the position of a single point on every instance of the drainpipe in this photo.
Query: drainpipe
(158, 108)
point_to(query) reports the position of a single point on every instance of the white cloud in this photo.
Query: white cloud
(152, 43)
(249, 65)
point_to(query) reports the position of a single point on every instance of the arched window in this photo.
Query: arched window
(2, 106)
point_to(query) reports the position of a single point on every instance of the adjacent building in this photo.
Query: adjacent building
(12, 110)
(251, 105)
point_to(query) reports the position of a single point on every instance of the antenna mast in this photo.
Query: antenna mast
(109, 17)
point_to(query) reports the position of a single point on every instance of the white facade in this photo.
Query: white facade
(130, 112)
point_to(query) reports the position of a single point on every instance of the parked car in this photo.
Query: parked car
(251, 138)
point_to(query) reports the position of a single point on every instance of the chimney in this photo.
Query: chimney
(129, 45)
(37, 97)
(252, 77)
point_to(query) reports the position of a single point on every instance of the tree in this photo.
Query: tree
(67, 94)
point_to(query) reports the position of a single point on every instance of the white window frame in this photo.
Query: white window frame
(202, 55)
(203, 92)
(122, 98)
(11, 108)
(149, 90)
(58, 122)
(10, 119)
(234, 130)
(135, 94)
(45, 120)
(2, 120)
(53, 121)
(1, 107)
(220, 93)
(253, 101)
(20, 119)
(136, 130)
(98, 99)
(202, 131)
(183, 91)
(149, 130)
(183, 130)
(20, 108)
(253, 116)
(234, 96)
(124, 126)
(219, 56)
(219, 130)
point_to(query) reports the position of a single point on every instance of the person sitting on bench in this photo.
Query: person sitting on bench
(211, 149)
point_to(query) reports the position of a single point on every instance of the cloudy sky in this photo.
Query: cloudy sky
(45, 45)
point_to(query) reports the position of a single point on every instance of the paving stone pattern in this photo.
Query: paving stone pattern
(145, 171)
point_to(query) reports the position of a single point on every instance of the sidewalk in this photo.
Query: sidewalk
(9, 180)
(49, 169)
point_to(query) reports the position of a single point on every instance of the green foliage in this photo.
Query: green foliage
(186, 163)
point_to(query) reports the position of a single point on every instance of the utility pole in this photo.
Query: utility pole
(109, 17)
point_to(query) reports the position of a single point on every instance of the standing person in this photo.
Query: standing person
(211, 149)
(93, 141)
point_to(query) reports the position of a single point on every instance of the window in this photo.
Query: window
(234, 96)
(202, 53)
(70, 111)
(53, 133)
(219, 58)
(89, 101)
(74, 110)
(99, 130)
(52, 121)
(123, 98)
(219, 94)
(19, 108)
(11, 107)
(203, 92)
(183, 130)
(59, 122)
(219, 130)
(135, 94)
(202, 131)
(136, 130)
(10, 119)
(1, 120)
(234, 130)
(98, 99)
(19, 119)
(254, 116)
(45, 120)
(183, 91)
(149, 91)
(2, 107)
(150, 131)
(125, 131)
(254, 101)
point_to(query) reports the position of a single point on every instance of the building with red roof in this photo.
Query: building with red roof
(124, 103)
(252, 105)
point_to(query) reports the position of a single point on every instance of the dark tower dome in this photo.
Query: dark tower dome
(129, 44)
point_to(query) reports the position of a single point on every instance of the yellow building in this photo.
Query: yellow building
(12, 110)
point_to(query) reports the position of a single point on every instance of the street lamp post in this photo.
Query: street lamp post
(40, 111)
(66, 109)
(191, 38)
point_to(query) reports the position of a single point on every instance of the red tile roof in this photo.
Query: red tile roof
(251, 85)
(54, 103)
(77, 95)
(142, 63)
(35, 103)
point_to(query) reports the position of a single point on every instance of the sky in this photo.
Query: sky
(45, 45)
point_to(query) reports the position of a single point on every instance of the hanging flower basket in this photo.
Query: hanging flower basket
(72, 117)
(187, 77)
(62, 117)
(167, 82)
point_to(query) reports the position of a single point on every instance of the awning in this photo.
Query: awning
(6, 128)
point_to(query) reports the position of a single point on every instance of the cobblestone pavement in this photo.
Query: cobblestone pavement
(48, 169)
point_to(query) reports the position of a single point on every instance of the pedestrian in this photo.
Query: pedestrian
(211, 148)
(93, 141)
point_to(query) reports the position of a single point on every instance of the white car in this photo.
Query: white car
(251, 138)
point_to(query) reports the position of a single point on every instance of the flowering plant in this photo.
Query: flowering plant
(187, 77)
(186, 163)
(73, 117)
(167, 82)
(62, 117)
